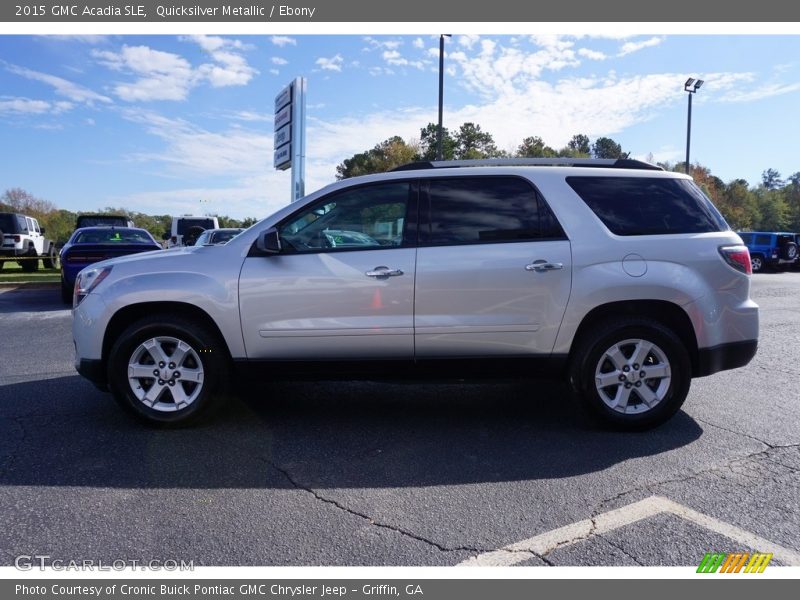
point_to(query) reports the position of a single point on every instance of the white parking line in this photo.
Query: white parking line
(545, 543)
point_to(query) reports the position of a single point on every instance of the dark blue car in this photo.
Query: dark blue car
(774, 250)
(92, 244)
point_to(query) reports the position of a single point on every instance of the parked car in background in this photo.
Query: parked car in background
(620, 277)
(211, 237)
(186, 229)
(89, 245)
(23, 241)
(99, 220)
(770, 249)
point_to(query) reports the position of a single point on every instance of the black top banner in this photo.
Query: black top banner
(462, 11)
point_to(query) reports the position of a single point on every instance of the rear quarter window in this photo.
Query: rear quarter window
(648, 205)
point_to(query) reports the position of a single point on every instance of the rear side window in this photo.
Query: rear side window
(747, 238)
(763, 239)
(474, 210)
(648, 205)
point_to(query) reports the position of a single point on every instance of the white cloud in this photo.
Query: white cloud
(382, 44)
(169, 76)
(93, 40)
(282, 40)
(631, 47)
(760, 92)
(591, 54)
(62, 87)
(394, 58)
(418, 43)
(28, 106)
(275, 71)
(467, 41)
(333, 63)
(277, 60)
(162, 75)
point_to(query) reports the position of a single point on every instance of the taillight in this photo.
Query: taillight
(17, 239)
(738, 257)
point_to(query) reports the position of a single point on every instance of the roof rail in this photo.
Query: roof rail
(607, 163)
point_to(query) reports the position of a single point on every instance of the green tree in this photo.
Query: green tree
(534, 147)
(604, 147)
(427, 143)
(383, 157)
(472, 142)
(578, 146)
(771, 179)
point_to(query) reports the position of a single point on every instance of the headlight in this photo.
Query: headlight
(86, 281)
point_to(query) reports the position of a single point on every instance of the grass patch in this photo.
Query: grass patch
(13, 273)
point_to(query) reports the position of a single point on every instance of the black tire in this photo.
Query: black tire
(53, 260)
(590, 358)
(789, 251)
(30, 262)
(66, 292)
(757, 263)
(209, 355)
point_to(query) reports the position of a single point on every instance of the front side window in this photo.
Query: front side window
(368, 217)
(763, 239)
(473, 210)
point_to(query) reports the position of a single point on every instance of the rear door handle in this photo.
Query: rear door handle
(383, 272)
(542, 265)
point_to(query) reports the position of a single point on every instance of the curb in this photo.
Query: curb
(29, 285)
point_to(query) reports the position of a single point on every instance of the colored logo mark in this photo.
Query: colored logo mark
(736, 562)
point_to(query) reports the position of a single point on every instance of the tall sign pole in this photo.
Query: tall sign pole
(290, 135)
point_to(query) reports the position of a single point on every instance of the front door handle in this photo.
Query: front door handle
(383, 272)
(541, 266)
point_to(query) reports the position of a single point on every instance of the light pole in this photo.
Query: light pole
(691, 86)
(441, 95)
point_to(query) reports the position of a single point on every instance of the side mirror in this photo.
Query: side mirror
(41, 230)
(269, 242)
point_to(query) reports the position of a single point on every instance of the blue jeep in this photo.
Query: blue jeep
(770, 249)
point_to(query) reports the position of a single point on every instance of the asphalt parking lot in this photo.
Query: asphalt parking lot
(349, 473)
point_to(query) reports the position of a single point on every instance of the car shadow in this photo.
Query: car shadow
(63, 432)
(38, 298)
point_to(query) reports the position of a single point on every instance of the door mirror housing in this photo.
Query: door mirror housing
(269, 242)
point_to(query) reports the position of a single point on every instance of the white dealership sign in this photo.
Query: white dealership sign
(290, 134)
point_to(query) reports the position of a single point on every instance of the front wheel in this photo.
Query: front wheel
(631, 373)
(167, 370)
(757, 263)
(53, 260)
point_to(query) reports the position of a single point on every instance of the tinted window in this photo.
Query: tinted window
(648, 206)
(94, 220)
(361, 218)
(763, 240)
(8, 223)
(747, 238)
(185, 225)
(469, 210)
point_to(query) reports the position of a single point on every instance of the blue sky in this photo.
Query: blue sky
(183, 124)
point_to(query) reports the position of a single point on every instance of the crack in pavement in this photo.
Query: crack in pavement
(621, 549)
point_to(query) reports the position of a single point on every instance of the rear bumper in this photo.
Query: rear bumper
(12, 252)
(725, 356)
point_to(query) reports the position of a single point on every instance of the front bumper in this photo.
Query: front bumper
(94, 371)
(725, 356)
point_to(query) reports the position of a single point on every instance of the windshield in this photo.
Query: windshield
(113, 236)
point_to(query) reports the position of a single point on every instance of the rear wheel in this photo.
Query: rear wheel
(631, 373)
(30, 262)
(166, 370)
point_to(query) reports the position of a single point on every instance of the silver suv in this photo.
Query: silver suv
(620, 277)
